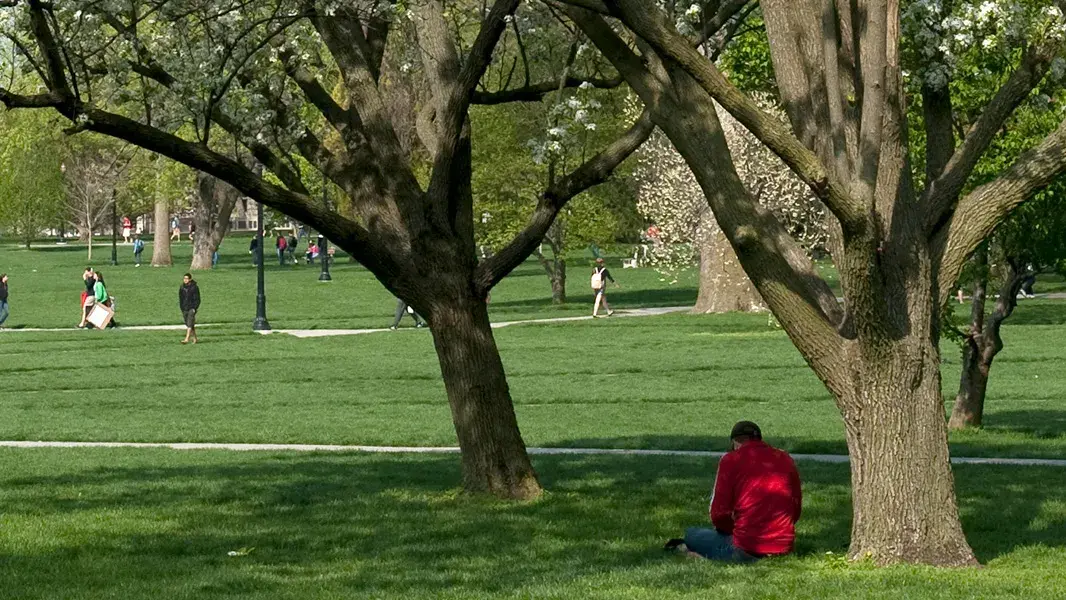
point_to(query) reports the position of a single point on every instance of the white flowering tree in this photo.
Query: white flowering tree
(669, 195)
(842, 74)
(569, 133)
(308, 78)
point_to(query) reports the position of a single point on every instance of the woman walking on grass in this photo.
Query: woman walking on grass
(189, 303)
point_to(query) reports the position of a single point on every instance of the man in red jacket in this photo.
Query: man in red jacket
(755, 504)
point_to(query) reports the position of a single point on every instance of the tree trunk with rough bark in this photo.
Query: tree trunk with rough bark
(983, 342)
(493, 453)
(903, 492)
(555, 268)
(214, 206)
(161, 256)
(724, 286)
(559, 283)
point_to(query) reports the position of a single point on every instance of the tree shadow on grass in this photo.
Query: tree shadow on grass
(162, 525)
(1038, 312)
(1040, 424)
(64, 248)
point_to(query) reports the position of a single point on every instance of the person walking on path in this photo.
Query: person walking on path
(138, 249)
(755, 504)
(175, 229)
(401, 310)
(127, 229)
(189, 302)
(252, 247)
(290, 247)
(4, 312)
(280, 244)
(600, 277)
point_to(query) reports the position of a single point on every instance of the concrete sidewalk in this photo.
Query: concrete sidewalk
(821, 458)
(618, 314)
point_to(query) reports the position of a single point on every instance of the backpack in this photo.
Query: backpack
(597, 279)
(282, 242)
(138, 245)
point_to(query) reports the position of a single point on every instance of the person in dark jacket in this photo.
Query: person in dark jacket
(754, 506)
(189, 302)
(3, 299)
(290, 248)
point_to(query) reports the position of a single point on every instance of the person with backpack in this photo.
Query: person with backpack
(138, 248)
(600, 277)
(189, 303)
(403, 309)
(290, 247)
(281, 244)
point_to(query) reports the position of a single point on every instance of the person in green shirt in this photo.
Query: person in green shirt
(101, 295)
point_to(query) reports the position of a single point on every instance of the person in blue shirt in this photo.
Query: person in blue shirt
(138, 249)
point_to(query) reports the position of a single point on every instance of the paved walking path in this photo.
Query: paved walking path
(637, 312)
(823, 458)
(121, 327)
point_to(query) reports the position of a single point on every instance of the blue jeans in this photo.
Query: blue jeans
(708, 543)
(3, 311)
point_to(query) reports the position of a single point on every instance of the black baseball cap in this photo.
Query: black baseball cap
(746, 429)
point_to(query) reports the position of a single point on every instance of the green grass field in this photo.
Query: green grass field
(145, 523)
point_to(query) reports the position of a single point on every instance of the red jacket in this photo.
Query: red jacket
(757, 498)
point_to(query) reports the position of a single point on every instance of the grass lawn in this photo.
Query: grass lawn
(46, 284)
(159, 524)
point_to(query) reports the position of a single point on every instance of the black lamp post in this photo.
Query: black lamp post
(114, 229)
(323, 243)
(260, 323)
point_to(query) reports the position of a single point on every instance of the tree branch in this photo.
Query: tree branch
(536, 92)
(452, 112)
(980, 211)
(941, 193)
(594, 172)
(343, 231)
(648, 22)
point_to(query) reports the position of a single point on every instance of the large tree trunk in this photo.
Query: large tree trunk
(903, 491)
(214, 206)
(493, 453)
(724, 286)
(161, 235)
(970, 401)
(983, 343)
(559, 282)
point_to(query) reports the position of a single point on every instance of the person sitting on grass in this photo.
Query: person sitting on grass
(754, 506)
